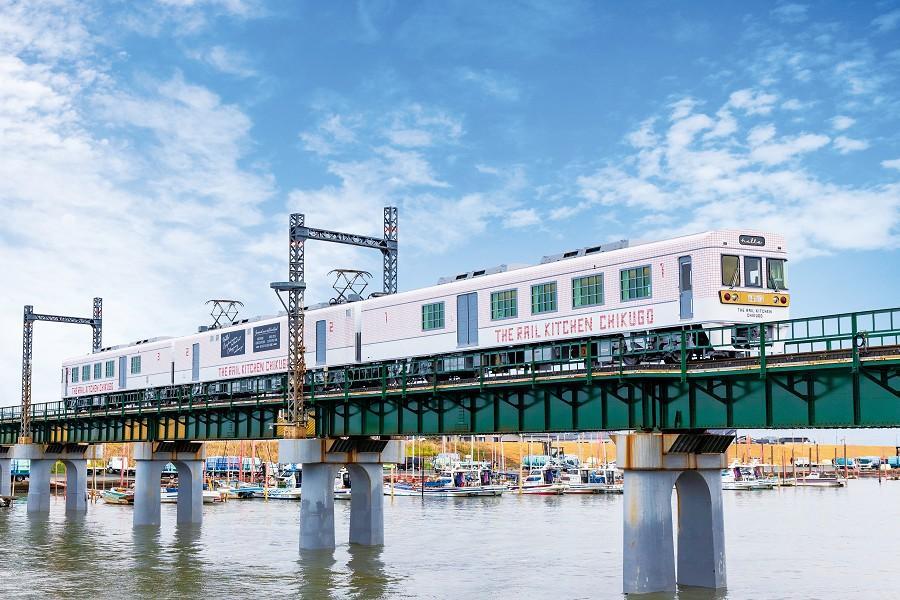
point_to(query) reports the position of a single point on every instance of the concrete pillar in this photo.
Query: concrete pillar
(648, 563)
(5, 477)
(190, 491)
(147, 474)
(39, 485)
(76, 485)
(321, 460)
(150, 459)
(366, 504)
(701, 529)
(317, 506)
(653, 464)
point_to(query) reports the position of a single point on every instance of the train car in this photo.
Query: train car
(704, 280)
(143, 365)
(637, 298)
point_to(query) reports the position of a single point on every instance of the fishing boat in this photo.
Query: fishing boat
(286, 488)
(213, 496)
(238, 490)
(732, 480)
(168, 495)
(586, 480)
(816, 479)
(118, 496)
(542, 482)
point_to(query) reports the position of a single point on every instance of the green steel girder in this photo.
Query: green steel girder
(821, 396)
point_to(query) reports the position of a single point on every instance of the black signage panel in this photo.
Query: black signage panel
(752, 240)
(267, 337)
(233, 343)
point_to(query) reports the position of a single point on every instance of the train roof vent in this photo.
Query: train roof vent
(202, 328)
(151, 340)
(472, 274)
(608, 247)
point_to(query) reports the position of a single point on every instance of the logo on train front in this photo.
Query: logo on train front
(752, 240)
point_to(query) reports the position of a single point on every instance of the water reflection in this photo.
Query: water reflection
(316, 574)
(367, 573)
(147, 569)
(188, 566)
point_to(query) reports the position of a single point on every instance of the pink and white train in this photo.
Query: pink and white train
(617, 291)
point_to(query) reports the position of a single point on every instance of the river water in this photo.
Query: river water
(785, 543)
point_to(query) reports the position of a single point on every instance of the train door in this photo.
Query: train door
(195, 362)
(685, 287)
(320, 342)
(123, 375)
(467, 319)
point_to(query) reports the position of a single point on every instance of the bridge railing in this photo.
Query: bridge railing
(847, 335)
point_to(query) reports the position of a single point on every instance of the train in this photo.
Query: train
(634, 297)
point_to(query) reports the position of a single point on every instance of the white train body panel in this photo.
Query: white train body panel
(391, 327)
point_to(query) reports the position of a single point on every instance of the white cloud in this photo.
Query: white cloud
(791, 13)
(842, 122)
(230, 62)
(792, 104)
(523, 217)
(788, 148)
(847, 145)
(494, 84)
(416, 126)
(753, 102)
(887, 21)
(115, 190)
(703, 183)
(891, 164)
(761, 134)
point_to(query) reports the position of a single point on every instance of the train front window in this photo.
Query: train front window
(731, 270)
(86, 373)
(74, 374)
(776, 273)
(752, 271)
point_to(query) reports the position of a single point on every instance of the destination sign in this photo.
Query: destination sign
(267, 337)
(752, 240)
(233, 343)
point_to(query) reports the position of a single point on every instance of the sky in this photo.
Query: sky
(150, 153)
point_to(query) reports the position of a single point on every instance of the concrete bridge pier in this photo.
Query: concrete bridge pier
(654, 463)
(321, 460)
(150, 458)
(5, 475)
(42, 457)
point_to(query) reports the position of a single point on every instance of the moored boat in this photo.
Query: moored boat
(118, 496)
(586, 480)
(816, 479)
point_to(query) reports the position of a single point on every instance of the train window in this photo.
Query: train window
(543, 297)
(135, 365)
(110, 368)
(432, 316)
(98, 371)
(74, 374)
(86, 373)
(776, 273)
(636, 283)
(731, 270)
(504, 305)
(752, 271)
(587, 291)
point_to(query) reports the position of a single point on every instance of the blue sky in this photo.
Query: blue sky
(150, 152)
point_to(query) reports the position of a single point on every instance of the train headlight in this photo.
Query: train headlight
(727, 297)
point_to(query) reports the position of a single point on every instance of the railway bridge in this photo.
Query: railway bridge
(831, 371)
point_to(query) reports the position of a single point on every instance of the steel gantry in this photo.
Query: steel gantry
(96, 323)
(297, 417)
